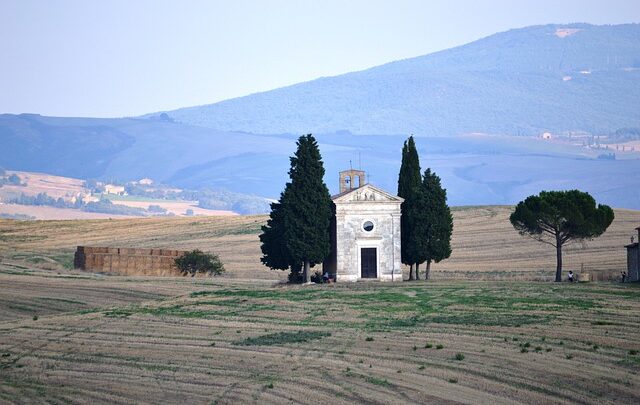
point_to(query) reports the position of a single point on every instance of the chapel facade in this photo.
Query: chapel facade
(365, 232)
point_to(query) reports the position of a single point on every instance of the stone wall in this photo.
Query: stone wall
(127, 261)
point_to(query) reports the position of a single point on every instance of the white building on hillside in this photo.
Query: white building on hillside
(365, 232)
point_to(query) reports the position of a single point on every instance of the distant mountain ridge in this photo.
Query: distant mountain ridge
(545, 78)
(575, 77)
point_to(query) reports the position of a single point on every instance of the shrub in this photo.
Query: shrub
(633, 352)
(15, 180)
(439, 347)
(428, 346)
(316, 277)
(459, 356)
(453, 380)
(156, 209)
(369, 339)
(197, 261)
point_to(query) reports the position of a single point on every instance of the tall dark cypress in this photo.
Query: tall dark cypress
(306, 206)
(409, 182)
(434, 223)
(274, 252)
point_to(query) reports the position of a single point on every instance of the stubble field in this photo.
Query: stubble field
(124, 340)
(72, 337)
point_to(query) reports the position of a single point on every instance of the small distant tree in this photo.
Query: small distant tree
(156, 209)
(433, 223)
(559, 217)
(189, 212)
(409, 183)
(14, 179)
(196, 261)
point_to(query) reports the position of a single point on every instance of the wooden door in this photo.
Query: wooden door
(368, 265)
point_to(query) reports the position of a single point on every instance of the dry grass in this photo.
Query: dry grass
(54, 186)
(221, 341)
(485, 245)
(70, 336)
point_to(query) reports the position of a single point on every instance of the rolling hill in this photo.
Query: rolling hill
(575, 77)
(476, 169)
(521, 82)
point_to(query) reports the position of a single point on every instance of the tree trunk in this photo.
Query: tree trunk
(427, 274)
(307, 272)
(417, 271)
(558, 261)
(410, 272)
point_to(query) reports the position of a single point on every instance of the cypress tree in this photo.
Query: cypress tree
(274, 252)
(296, 235)
(409, 181)
(434, 222)
(306, 206)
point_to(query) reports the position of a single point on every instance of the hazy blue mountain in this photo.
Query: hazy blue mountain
(524, 81)
(474, 169)
(510, 83)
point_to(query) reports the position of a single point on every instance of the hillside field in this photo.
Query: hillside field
(486, 329)
(73, 338)
(485, 245)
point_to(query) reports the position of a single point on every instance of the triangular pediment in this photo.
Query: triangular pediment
(366, 193)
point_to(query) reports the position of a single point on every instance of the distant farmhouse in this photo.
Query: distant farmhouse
(113, 189)
(365, 232)
(633, 259)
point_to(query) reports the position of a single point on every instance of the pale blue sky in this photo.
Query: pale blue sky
(119, 58)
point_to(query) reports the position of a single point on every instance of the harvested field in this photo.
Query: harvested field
(73, 336)
(52, 213)
(153, 340)
(53, 186)
(485, 245)
(174, 207)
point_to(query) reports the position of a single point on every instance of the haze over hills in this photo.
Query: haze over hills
(510, 83)
(575, 77)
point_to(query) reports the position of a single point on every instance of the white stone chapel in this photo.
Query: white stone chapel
(365, 232)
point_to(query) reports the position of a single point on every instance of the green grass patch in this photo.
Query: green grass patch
(280, 338)
(377, 381)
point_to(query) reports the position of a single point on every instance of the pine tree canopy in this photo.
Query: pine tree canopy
(557, 217)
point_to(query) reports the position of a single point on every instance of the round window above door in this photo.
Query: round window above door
(367, 226)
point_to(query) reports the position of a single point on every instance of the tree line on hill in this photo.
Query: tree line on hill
(9, 179)
(219, 199)
(103, 206)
